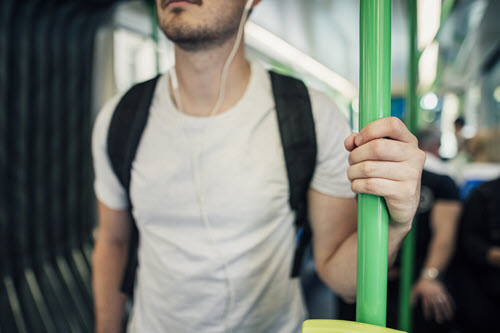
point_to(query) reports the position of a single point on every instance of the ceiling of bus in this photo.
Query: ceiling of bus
(469, 42)
(328, 30)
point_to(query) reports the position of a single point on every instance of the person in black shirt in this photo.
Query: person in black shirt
(436, 226)
(478, 260)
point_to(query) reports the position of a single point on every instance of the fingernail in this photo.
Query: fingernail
(358, 140)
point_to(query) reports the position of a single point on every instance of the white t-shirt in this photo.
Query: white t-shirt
(235, 160)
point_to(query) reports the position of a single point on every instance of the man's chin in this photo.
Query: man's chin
(192, 34)
(192, 44)
(186, 40)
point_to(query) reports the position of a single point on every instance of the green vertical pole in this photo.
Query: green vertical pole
(154, 32)
(375, 103)
(405, 282)
(408, 249)
(413, 55)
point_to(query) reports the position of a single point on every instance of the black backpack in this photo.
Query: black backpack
(298, 137)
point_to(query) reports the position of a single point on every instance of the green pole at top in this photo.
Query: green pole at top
(413, 55)
(374, 103)
(408, 249)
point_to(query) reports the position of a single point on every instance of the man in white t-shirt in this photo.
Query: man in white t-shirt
(210, 193)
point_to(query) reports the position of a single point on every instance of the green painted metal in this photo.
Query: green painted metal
(408, 249)
(342, 326)
(446, 9)
(375, 103)
(412, 103)
(405, 282)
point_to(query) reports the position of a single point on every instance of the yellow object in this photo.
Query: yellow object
(342, 326)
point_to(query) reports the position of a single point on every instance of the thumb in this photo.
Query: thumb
(349, 142)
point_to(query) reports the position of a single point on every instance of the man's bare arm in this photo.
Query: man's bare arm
(108, 262)
(436, 301)
(334, 224)
(385, 161)
(444, 222)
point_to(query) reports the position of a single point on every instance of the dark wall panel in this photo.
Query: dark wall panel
(46, 196)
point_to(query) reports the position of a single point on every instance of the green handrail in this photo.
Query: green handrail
(406, 282)
(375, 103)
(408, 249)
(413, 55)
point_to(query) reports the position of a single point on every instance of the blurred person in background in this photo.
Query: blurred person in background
(484, 152)
(478, 260)
(485, 147)
(436, 226)
(462, 158)
(232, 273)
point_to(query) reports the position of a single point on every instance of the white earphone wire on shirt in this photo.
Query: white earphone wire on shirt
(199, 187)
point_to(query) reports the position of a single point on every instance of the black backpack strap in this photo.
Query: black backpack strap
(298, 137)
(296, 124)
(124, 134)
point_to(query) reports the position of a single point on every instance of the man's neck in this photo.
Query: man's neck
(199, 78)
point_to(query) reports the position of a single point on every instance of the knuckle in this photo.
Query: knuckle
(354, 186)
(370, 185)
(422, 156)
(410, 191)
(350, 175)
(378, 148)
(350, 159)
(414, 139)
(395, 122)
(414, 174)
(403, 132)
(368, 168)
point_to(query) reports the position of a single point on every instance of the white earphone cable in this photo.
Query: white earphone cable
(198, 169)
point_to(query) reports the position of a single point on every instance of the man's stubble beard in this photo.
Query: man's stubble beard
(203, 36)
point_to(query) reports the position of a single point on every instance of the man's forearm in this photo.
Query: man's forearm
(339, 272)
(109, 260)
(440, 252)
(397, 233)
(444, 221)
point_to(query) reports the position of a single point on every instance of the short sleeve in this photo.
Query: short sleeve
(447, 189)
(330, 176)
(107, 187)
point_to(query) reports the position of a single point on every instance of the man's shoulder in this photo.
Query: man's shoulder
(106, 112)
(103, 119)
(326, 111)
(442, 185)
(322, 104)
(315, 95)
(435, 177)
(489, 189)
